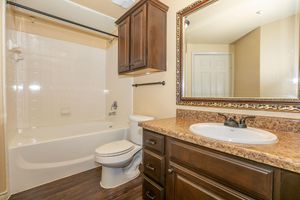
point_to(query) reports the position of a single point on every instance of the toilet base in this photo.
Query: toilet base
(114, 177)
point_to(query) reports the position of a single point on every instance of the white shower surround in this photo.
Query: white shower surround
(56, 83)
(43, 133)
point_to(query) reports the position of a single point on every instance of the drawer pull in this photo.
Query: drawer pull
(170, 170)
(148, 166)
(152, 142)
(150, 196)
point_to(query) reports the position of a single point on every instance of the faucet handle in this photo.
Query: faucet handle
(222, 115)
(232, 118)
(243, 119)
(242, 123)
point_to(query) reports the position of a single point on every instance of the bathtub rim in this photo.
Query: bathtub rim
(11, 146)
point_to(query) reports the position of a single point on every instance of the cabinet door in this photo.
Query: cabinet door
(183, 184)
(124, 42)
(138, 38)
(250, 178)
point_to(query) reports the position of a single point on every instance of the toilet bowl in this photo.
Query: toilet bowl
(120, 159)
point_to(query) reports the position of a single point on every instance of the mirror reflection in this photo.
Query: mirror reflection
(245, 49)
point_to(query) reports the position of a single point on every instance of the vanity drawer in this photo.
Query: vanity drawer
(154, 166)
(154, 141)
(247, 177)
(152, 191)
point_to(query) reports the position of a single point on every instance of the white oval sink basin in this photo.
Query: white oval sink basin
(248, 135)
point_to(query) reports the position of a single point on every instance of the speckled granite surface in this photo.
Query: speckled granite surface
(284, 154)
(271, 123)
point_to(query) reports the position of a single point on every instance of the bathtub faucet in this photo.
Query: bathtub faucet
(114, 106)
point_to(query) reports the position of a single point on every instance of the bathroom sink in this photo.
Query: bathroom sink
(248, 135)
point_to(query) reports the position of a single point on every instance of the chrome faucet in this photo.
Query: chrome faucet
(113, 109)
(114, 105)
(232, 122)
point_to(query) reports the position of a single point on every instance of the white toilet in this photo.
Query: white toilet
(120, 160)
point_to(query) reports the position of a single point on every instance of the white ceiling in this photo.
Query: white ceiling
(225, 21)
(76, 12)
(103, 6)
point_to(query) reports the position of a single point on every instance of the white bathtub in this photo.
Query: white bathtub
(41, 155)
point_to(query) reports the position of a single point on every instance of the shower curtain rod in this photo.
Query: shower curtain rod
(59, 18)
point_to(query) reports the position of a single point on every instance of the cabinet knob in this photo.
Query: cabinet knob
(148, 166)
(170, 170)
(152, 142)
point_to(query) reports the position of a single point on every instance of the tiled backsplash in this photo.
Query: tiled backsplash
(270, 123)
(52, 82)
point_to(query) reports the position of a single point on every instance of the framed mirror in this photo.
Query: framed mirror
(239, 54)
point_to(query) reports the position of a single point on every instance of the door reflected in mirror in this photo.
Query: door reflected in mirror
(243, 49)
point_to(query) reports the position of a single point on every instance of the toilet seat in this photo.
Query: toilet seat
(117, 153)
(115, 148)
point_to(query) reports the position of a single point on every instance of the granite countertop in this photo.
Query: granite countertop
(284, 154)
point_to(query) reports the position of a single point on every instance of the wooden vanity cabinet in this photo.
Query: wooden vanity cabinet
(154, 165)
(142, 38)
(211, 175)
(183, 171)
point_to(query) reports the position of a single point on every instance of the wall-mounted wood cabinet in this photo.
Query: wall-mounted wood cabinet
(142, 38)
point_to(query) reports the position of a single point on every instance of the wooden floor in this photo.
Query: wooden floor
(83, 186)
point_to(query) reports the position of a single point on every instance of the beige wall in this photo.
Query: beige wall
(247, 64)
(161, 101)
(279, 58)
(2, 138)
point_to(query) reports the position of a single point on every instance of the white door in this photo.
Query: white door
(211, 75)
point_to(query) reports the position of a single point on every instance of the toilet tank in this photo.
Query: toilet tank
(135, 134)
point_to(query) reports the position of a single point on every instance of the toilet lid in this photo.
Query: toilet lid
(115, 148)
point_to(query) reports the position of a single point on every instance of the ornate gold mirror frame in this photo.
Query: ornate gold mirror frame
(282, 105)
